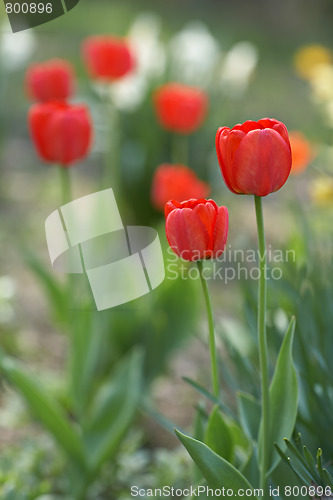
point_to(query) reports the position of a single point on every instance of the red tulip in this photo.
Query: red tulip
(107, 57)
(180, 108)
(196, 229)
(254, 157)
(61, 132)
(50, 80)
(176, 182)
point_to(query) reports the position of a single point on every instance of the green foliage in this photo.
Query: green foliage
(112, 412)
(307, 469)
(218, 436)
(90, 443)
(45, 408)
(249, 410)
(217, 471)
(283, 395)
(237, 439)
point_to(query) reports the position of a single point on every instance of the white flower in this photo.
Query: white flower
(194, 53)
(144, 38)
(238, 67)
(15, 48)
(129, 92)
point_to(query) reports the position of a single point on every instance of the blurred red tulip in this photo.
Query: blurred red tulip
(301, 152)
(61, 132)
(196, 229)
(107, 57)
(176, 182)
(254, 157)
(180, 108)
(50, 80)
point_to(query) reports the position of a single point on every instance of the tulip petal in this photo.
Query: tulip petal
(207, 214)
(38, 119)
(186, 234)
(170, 206)
(71, 135)
(220, 233)
(268, 122)
(275, 125)
(262, 162)
(227, 142)
(248, 126)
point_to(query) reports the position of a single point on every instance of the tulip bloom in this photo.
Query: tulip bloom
(50, 80)
(107, 58)
(180, 108)
(254, 157)
(176, 182)
(61, 132)
(196, 229)
(301, 152)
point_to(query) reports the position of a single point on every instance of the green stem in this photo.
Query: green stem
(266, 448)
(213, 357)
(65, 185)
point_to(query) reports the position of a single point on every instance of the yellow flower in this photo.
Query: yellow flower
(321, 82)
(308, 57)
(322, 191)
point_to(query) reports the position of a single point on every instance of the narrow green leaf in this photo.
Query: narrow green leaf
(87, 336)
(310, 461)
(147, 407)
(249, 468)
(304, 479)
(249, 410)
(281, 453)
(200, 422)
(298, 441)
(45, 408)
(283, 396)
(328, 479)
(302, 476)
(295, 451)
(299, 462)
(113, 411)
(320, 465)
(218, 472)
(208, 395)
(55, 291)
(218, 436)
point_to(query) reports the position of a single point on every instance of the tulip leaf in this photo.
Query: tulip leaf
(218, 436)
(54, 290)
(249, 410)
(217, 471)
(249, 468)
(208, 395)
(283, 394)
(113, 411)
(45, 408)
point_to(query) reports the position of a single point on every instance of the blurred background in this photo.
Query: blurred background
(253, 59)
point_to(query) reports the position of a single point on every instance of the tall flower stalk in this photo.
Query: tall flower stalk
(262, 338)
(211, 330)
(197, 230)
(255, 158)
(65, 185)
